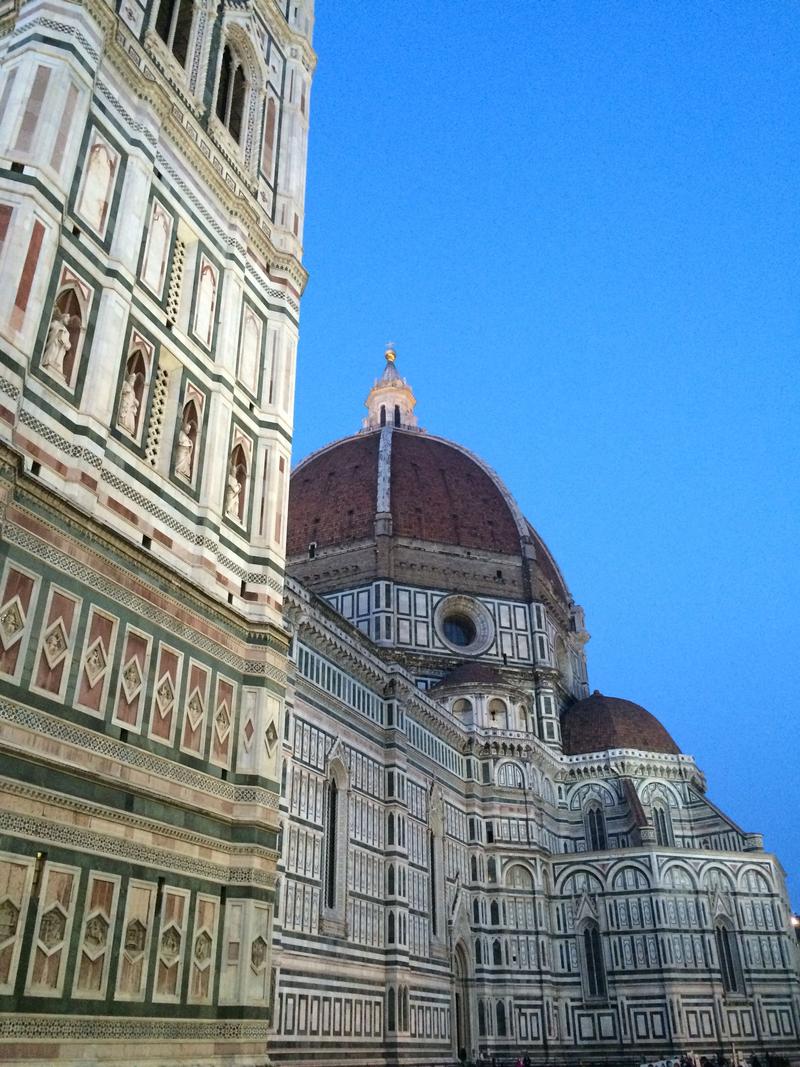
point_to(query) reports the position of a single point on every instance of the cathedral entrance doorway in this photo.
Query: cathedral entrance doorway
(461, 1014)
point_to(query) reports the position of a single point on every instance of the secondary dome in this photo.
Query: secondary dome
(395, 502)
(599, 723)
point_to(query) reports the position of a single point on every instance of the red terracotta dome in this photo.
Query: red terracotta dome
(599, 723)
(416, 491)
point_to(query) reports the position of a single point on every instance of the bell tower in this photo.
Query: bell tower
(152, 182)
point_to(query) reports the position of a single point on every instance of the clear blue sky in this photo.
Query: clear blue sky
(580, 224)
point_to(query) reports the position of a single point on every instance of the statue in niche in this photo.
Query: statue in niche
(185, 451)
(57, 345)
(233, 492)
(128, 404)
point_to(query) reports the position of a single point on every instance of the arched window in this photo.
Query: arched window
(390, 929)
(497, 952)
(397, 414)
(390, 880)
(494, 912)
(510, 776)
(331, 831)
(478, 951)
(500, 1012)
(663, 826)
(594, 967)
(390, 828)
(481, 1018)
(174, 26)
(383, 414)
(231, 92)
(391, 1018)
(498, 714)
(404, 1008)
(473, 868)
(729, 963)
(476, 912)
(596, 828)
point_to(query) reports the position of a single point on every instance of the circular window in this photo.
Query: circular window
(459, 629)
(464, 625)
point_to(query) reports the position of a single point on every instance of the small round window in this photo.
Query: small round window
(464, 625)
(459, 629)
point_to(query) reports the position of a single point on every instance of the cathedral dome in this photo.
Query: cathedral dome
(599, 723)
(394, 501)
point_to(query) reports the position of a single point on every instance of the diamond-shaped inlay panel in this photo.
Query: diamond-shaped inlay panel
(9, 918)
(96, 933)
(249, 730)
(55, 644)
(195, 709)
(165, 694)
(170, 943)
(12, 622)
(135, 936)
(131, 679)
(222, 721)
(52, 927)
(96, 662)
(271, 736)
(202, 946)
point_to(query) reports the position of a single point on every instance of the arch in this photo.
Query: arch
(390, 880)
(677, 876)
(630, 876)
(462, 707)
(497, 952)
(518, 876)
(383, 415)
(476, 911)
(659, 790)
(391, 1014)
(716, 877)
(498, 713)
(478, 951)
(492, 869)
(494, 913)
(600, 792)
(752, 880)
(236, 485)
(390, 828)
(574, 883)
(390, 928)
(510, 775)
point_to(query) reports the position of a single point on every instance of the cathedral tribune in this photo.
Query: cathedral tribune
(296, 770)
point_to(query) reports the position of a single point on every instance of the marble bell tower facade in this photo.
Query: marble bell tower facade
(152, 172)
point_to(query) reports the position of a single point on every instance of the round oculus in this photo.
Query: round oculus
(464, 625)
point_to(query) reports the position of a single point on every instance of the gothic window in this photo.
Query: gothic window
(390, 828)
(510, 776)
(397, 415)
(481, 1018)
(473, 868)
(728, 953)
(391, 1017)
(663, 825)
(270, 129)
(596, 829)
(174, 26)
(497, 952)
(494, 913)
(500, 1013)
(594, 967)
(390, 880)
(390, 928)
(231, 92)
(331, 833)
(476, 912)
(478, 951)
(383, 415)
